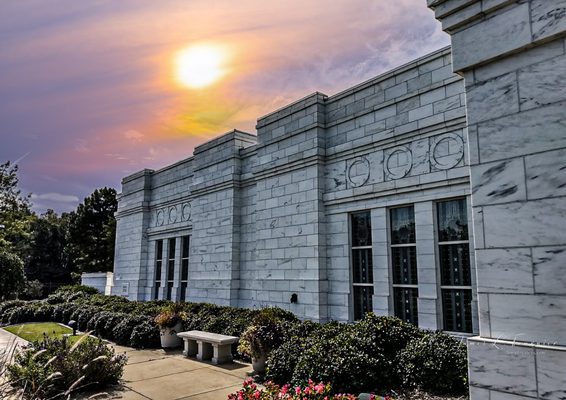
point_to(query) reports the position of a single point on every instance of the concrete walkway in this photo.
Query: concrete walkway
(166, 375)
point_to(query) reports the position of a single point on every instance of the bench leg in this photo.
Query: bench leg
(204, 351)
(191, 348)
(222, 353)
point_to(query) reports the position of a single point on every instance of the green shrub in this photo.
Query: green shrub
(82, 315)
(54, 367)
(16, 315)
(435, 363)
(354, 357)
(102, 323)
(77, 289)
(145, 335)
(283, 360)
(6, 305)
(63, 312)
(44, 313)
(123, 330)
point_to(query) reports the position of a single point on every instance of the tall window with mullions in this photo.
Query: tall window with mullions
(404, 263)
(454, 260)
(171, 267)
(186, 242)
(362, 265)
(158, 267)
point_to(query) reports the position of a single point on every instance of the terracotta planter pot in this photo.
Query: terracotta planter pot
(169, 337)
(259, 364)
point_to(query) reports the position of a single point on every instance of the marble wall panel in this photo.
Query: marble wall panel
(514, 135)
(499, 182)
(546, 174)
(501, 367)
(533, 223)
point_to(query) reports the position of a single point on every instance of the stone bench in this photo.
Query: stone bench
(208, 346)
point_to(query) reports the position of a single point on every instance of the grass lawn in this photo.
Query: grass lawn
(35, 331)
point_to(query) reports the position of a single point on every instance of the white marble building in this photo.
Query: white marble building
(434, 195)
(354, 202)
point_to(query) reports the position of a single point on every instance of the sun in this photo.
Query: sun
(199, 66)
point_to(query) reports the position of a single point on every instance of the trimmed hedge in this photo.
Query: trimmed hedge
(435, 363)
(375, 354)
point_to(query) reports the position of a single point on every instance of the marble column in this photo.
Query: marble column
(513, 58)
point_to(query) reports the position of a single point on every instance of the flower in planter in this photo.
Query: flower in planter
(170, 316)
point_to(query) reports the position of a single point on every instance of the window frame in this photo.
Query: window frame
(184, 282)
(399, 286)
(158, 260)
(441, 287)
(351, 249)
(171, 265)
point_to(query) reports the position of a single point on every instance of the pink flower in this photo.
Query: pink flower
(319, 388)
(298, 390)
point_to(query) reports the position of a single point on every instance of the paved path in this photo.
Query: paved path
(157, 375)
(167, 375)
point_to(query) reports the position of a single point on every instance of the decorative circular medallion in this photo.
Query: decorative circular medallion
(172, 214)
(358, 172)
(160, 218)
(186, 212)
(447, 151)
(399, 163)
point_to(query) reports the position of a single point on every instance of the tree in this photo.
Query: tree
(92, 232)
(46, 261)
(15, 212)
(12, 279)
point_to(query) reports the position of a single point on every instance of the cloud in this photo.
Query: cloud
(55, 197)
(133, 135)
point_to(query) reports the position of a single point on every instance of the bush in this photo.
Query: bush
(76, 289)
(20, 314)
(123, 330)
(62, 312)
(54, 367)
(103, 323)
(44, 312)
(436, 363)
(145, 335)
(354, 357)
(82, 316)
(7, 305)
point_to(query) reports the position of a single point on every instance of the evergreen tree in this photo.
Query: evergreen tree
(15, 213)
(46, 261)
(92, 231)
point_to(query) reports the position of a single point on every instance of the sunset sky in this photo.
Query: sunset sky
(91, 91)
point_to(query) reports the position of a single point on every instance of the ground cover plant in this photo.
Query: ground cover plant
(377, 354)
(36, 331)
